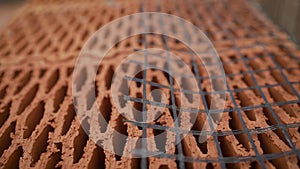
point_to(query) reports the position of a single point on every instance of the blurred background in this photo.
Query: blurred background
(285, 13)
(8, 8)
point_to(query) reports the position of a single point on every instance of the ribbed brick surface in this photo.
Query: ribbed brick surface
(38, 124)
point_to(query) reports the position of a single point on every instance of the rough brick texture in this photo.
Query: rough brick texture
(38, 123)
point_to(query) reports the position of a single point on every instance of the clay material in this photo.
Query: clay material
(38, 123)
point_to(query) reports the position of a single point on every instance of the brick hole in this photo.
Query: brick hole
(30, 95)
(202, 146)
(198, 126)
(160, 137)
(69, 44)
(81, 79)
(271, 121)
(35, 29)
(138, 108)
(55, 50)
(279, 59)
(254, 165)
(33, 119)
(90, 98)
(187, 86)
(153, 64)
(80, 142)
(122, 11)
(57, 28)
(122, 101)
(7, 53)
(63, 36)
(157, 97)
(3, 45)
(107, 33)
(46, 46)
(277, 96)
(209, 166)
(163, 167)
(96, 90)
(109, 77)
(125, 91)
(119, 142)
(70, 71)
(233, 58)
(22, 48)
(278, 77)
(40, 38)
(228, 151)
(53, 79)
(30, 52)
(166, 74)
(249, 81)
(180, 63)
(99, 25)
(177, 41)
(103, 47)
(139, 75)
(176, 103)
(68, 118)
(111, 17)
(177, 97)
(106, 110)
(188, 164)
(128, 44)
(217, 83)
(42, 72)
(16, 74)
(269, 148)
(3, 92)
(92, 43)
(4, 113)
(77, 26)
(71, 19)
(103, 11)
(125, 67)
(119, 25)
(245, 102)
(176, 152)
(177, 161)
(5, 139)
(117, 39)
(85, 35)
(141, 40)
(98, 159)
(23, 82)
(54, 159)
(40, 144)
(135, 162)
(152, 43)
(207, 98)
(14, 159)
(129, 31)
(236, 124)
(59, 97)
(193, 69)
(124, 88)
(255, 66)
(19, 39)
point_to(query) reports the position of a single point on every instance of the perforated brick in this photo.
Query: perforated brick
(39, 128)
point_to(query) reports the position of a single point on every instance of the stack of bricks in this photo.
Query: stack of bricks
(39, 128)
